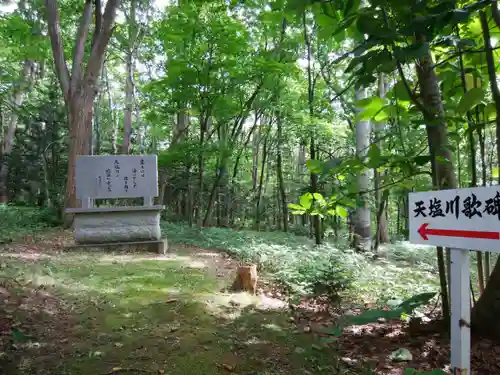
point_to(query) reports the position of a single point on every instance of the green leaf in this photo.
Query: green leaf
(371, 316)
(314, 166)
(17, 335)
(373, 156)
(413, 51)
(294, 206)
(400, 91)
(306, 201)
(318, 197)
(351, 6)
(373, 102)
(471, 98)
(494, 172)
(416, 301)
(341, 211)
(490, 111)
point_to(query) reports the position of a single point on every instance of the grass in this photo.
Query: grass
(102, 312)
(402, 270)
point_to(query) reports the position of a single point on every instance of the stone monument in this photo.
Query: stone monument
(117, 176)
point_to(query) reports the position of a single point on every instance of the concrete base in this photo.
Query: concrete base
(159, 247)
(121, 224)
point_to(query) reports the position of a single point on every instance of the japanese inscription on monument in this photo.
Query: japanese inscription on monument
(116, 176)
(463, 218)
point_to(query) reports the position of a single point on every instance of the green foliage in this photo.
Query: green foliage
(296, 263)
(330, 278)
(18, 222)
(472, 98)
(410, 371)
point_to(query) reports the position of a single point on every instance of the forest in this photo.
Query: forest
(289, 134)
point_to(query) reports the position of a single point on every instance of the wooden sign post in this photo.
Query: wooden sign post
(462, 220)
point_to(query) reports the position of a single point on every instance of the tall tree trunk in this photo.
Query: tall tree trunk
(25, 80)
(205, 124)
(80, 86)
(484, 180)
(362, 219)
(311, 83)
(441, 157)
(133, 36)
(112, 111)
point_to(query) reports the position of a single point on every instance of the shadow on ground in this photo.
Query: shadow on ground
(81, 313)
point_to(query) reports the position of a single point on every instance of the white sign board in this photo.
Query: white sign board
(460, 218)
(116, 176)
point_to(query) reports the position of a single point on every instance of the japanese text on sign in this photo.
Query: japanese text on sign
(466, 218)
(117, 176)
(469, 207)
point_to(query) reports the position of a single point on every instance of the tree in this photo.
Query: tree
(80, 86)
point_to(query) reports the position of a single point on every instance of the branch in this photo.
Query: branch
(102, 40)
(80, 41)
(57, 47)
(413, 98)
(98, 20)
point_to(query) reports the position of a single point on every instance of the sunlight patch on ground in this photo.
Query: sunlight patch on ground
(224, 304)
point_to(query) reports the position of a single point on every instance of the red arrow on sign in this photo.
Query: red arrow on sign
(424, 232)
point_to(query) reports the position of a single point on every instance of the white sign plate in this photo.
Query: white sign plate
(466, 219)
(116, 176)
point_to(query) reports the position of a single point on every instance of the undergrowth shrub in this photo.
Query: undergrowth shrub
(332, 268)
(50, 216)
(21, 221)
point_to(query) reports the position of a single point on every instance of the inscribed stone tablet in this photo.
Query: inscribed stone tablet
(116, 176)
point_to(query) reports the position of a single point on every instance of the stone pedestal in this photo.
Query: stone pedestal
(116, 224)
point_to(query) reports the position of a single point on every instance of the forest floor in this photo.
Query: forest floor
(101, 313)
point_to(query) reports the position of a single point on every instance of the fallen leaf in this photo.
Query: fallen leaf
(170, 300)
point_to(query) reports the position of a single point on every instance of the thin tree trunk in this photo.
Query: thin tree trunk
(261, 182)
(382, 233)
(255, 155)
(279, 167)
